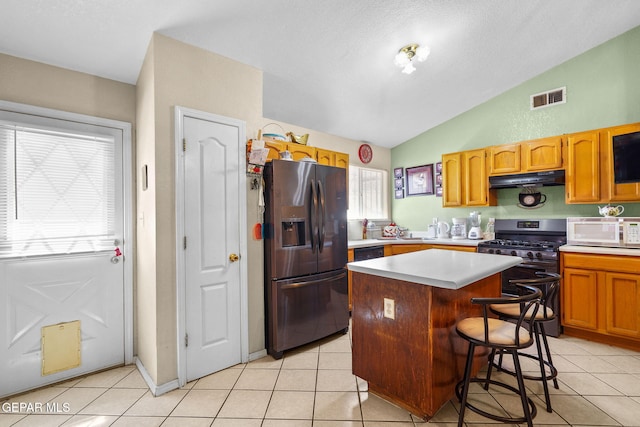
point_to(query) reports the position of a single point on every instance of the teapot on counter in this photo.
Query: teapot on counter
(609, 211)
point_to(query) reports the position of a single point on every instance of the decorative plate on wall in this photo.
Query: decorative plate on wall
(365, 152)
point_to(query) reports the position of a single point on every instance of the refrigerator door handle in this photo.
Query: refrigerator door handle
(313, 225)
(310, 282)
(322, 214)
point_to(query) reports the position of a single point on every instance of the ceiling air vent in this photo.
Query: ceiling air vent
(552, 97)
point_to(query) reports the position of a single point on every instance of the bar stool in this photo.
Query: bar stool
(548, 283)
(504, 336)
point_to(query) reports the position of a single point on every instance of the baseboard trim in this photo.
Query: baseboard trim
(257, 355)
(156, 390)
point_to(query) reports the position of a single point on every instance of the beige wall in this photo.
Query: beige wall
(177, 74)
(173, 74)
(146, 311)
(34, 83)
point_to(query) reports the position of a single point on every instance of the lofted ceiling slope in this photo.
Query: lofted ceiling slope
(328, 65)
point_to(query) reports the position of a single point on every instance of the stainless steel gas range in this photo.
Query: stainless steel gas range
(537, 242)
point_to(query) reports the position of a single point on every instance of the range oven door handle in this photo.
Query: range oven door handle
(545, 267)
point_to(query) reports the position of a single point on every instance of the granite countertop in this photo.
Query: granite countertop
(436, 267)
(600, 250)
(413, 240)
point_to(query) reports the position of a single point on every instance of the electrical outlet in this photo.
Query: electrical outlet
(389, 308)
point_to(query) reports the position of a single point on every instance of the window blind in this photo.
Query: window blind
(57, 191)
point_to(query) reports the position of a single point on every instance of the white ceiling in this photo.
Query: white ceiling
(328, 64)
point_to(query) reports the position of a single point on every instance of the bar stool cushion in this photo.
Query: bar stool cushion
(500, 332)
(513, 311)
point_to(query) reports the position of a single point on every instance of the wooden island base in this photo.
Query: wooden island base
(416, 359)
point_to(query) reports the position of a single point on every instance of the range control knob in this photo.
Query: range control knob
(538, 255)
(530, 254)
(498, 251)
(514, 253)
(491, 251)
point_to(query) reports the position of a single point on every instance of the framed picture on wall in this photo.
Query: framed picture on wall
(397, 173)
(398, 183)
(420, 180)
(439, 179)
(399, 193)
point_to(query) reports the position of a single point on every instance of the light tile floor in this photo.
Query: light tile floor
(313, 386)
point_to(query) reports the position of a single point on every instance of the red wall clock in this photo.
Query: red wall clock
(365, 153)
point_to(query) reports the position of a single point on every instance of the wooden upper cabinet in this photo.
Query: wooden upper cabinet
(332, 158)
(275, 148)
(504, 159)
(325, 157)
(299, 151)
(476, 189)
(342, 160)
(452, 180)
(464, 179)
(583, 168)
(627, 192)
(542, 154)
(527, 156)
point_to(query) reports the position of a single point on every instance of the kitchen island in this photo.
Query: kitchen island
(405, 308)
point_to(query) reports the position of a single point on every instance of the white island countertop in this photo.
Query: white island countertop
(437, 267)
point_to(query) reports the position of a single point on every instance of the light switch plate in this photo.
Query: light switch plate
(389, 308)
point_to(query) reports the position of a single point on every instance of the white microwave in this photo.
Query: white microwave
(612, 232)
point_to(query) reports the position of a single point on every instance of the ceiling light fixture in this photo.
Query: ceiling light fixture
(405, 56)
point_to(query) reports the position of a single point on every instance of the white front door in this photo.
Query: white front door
(212, 244)
(62, 217)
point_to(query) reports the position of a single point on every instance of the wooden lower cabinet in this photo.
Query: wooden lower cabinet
(406, 248)
(601, 298)
(415, 359)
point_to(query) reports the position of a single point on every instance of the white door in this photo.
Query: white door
(212, 225)
(61, 221)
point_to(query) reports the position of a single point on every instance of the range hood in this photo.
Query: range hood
(539, 179)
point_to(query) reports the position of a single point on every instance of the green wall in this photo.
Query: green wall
(603, 89)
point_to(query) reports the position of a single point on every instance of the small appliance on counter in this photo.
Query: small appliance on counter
(443, 230)
(475, 232)
(432, 230)
(608, 232)
(459, 228)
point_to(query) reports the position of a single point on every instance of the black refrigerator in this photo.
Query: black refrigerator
(305, 247)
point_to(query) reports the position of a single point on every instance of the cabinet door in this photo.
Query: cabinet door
(504, 159)
(325, 157)
(342, 160)
(299, 151)
(403, 249)
(627, 192)
(583, 168)
(476, 183)
(452, 180)
(275, 148)
(542, 154)
(622, 304)
(579, 298)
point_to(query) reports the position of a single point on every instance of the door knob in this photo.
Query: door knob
(233, 257)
